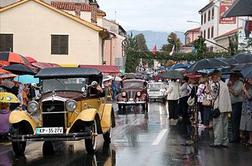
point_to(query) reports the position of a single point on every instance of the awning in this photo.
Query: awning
(107, 69)
(240, 8)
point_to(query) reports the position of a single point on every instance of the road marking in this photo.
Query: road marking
(159, 137)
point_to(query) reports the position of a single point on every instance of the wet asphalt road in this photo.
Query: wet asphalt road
(136, 141)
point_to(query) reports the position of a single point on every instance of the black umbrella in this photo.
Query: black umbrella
(230, 61)
(244, 69)
(240, 8)
(20, 69)
(172, 74)
(211, 63)
(243, 58)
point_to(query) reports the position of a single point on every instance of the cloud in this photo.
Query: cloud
(157, 15)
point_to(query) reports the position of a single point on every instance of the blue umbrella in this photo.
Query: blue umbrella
(26, 79)
(179, 66)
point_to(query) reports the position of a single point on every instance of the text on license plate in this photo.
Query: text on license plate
(49, 130)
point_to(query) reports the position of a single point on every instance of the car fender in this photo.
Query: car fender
(107, 115)
(19, 116)
(87, 115)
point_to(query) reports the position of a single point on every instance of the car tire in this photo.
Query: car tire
(48, 148)
(18, 146)
(90, 144)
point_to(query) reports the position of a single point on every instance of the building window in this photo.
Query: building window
(212, 32)
(59, 44)
(204, 34)
(212, 13)
(204, 18)
(208, 33)
(6, 42)
(209, 15)
(201, 19)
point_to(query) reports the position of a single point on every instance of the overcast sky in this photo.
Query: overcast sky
(156, 15)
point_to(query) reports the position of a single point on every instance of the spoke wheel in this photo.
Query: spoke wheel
(91, 143)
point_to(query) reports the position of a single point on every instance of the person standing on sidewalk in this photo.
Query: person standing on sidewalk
(235, 86)
(223, 103)
(173, 97)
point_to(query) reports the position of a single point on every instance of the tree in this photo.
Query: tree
(200, 47)
(131, 51)
(233, 44)
(173, 41)
(141, 42)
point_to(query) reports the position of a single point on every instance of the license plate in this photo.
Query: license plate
(49, 130)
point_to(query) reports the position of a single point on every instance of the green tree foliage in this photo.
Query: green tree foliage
(200, 47)
(141, 42)
(132, 54)
(172, 40)
(233, 44)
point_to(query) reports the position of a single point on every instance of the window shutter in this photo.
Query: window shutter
(59, 44)
(6, 42)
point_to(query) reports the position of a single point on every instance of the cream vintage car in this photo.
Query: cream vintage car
(70, 109)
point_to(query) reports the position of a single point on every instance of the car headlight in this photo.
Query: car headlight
(32, 107)
(71, 105)
(124, 94)
(138, 94)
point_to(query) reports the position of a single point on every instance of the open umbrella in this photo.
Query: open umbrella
(8, 58)
(6, 97)
(211, 63)
(31, 59)
(26, 79)
(43, 65)
(20, 69)
(6, 74)
(179, 66)
(172, 74)
(243, 58)
(240, 8)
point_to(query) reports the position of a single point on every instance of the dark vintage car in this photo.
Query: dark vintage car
(133, 93)
(70, 109)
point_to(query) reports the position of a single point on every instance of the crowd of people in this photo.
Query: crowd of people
(216, 100)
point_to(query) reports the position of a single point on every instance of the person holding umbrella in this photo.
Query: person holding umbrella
(222, 106)
(172, 98)
(5, 100)
(235, 86)
(246, 120)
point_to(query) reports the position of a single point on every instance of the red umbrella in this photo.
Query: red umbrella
(6, 74)
(31, 59)
(7, 58)
(42, 65)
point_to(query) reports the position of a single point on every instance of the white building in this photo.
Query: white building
(212, 23)
(33, 27)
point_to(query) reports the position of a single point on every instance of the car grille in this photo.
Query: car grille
(53, 114)
(131, 94)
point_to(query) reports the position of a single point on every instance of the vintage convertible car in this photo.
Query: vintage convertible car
(70, 108)
(156, 91)
(133, 93)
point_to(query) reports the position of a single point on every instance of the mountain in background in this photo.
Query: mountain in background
(156, 38)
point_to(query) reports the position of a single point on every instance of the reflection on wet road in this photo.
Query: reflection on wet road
(136, 141)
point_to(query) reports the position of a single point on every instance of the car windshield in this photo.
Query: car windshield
(133, 85)
(155, 86)
(74, 84)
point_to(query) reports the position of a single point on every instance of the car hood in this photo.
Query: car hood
(63, 95)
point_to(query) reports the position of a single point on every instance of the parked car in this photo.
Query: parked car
(70, 109)
(156, 91)
(134, 93)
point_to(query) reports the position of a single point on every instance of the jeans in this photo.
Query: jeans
(172, 107)
(220, 127)
(207, 115)
(236, 118)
